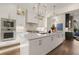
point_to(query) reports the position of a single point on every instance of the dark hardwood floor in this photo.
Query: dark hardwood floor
(12, 50)
(68, 47)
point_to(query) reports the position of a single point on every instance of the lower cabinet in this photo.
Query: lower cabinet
(61, 37)
(35, 47)
(39, 46)
(45, 44)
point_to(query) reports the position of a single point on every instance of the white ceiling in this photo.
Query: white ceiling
(58, 5)
(49, 5)
(75, 12)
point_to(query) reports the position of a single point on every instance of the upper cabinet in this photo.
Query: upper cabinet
(4, 11)
(8, 11)
(12, 11)
(32, 13)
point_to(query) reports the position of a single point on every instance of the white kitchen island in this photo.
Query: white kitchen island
(40, 44)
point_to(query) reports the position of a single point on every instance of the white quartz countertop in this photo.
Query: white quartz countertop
(31, 36)
(8, 43)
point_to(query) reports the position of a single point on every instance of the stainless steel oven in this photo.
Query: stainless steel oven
(8, 29)
(8, 35)
(8, 23)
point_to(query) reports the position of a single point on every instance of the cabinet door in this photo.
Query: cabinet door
(35, 47)
(53, 41)
(40, 46)
(4, 11)
(45, 47)
(31, 14)
(59, 38)
(8, 11)
(62, 36)
(12, 12)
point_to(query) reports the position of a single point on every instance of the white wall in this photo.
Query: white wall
(31, 27)
(67, 8)
(58, 19)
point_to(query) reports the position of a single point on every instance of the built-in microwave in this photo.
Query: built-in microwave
(8, 35)
(8, 23)
(8, 29)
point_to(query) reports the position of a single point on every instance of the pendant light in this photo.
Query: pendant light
(38, 7)
(54, 10)
(20, 10)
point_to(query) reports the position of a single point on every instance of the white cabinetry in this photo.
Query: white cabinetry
(45, 44)
(8, 11)
(59, 38)
(35, 47)
(53, 41)
(31, 14)
(3, 11)
(40, 46)
(12, 12)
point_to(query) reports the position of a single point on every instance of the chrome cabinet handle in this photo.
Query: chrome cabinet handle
(51, 38)
(40, 42)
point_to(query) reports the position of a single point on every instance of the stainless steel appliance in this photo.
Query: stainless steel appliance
(8, 29)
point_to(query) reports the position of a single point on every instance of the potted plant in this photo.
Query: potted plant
(53, 28)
